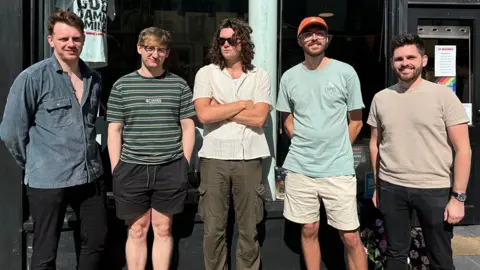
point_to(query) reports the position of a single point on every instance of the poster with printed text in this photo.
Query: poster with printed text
(445, 61)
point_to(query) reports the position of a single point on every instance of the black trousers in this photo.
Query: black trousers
(47, 208)
(396, 205)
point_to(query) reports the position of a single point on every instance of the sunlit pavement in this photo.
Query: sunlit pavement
(466, 247)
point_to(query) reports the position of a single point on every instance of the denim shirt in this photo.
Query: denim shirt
(50, 134)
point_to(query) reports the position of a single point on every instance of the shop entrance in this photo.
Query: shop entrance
(451, 36)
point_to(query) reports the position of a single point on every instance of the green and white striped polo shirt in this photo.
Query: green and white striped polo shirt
(150, 110)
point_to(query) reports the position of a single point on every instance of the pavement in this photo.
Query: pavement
(466, 247)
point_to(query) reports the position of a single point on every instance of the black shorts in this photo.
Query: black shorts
(139, 188)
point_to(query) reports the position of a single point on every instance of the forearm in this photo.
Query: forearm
(17, 148)
(374, 158)
(289, 130)
(14, 132)
(188, 142)
(354, 128)
(114, 147)
(249, 118)
(462, 165)
(218, 112)
(288, 124)
(17, 118)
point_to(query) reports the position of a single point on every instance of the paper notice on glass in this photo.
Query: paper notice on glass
(468, 110)
(445, 61)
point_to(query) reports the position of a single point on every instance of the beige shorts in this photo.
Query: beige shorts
(303, 195)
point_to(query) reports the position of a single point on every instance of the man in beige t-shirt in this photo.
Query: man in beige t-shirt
(413, 124)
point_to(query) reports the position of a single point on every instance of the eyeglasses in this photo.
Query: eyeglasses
(152, 49)
(308, 35)
(230, 40)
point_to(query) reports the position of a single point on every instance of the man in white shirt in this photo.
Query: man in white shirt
(232, 99)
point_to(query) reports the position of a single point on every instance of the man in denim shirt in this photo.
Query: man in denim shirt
(49, 127)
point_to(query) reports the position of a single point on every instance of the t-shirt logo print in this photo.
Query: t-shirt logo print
(153, 100)
(331, 87)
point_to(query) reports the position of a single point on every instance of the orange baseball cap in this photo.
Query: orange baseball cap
(309, 21)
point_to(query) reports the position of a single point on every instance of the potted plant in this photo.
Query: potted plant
(374, 239)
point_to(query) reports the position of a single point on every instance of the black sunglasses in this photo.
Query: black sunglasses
(230, 40)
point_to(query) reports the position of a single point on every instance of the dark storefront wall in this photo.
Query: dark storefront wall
(12, 61)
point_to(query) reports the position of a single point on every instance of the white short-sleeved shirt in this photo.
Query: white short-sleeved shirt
(228, 140)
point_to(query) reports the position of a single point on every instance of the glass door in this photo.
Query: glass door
(450, 37)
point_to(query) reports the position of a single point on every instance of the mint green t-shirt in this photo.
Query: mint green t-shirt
(319, 100)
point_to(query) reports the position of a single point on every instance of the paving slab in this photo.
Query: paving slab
(466, 263)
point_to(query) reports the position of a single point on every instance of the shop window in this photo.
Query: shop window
(192, 24)
(448, 45)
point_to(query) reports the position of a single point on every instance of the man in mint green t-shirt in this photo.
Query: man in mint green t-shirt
(316, 97)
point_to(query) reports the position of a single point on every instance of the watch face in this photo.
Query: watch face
(462, 197)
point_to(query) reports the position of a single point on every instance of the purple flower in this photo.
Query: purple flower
(378, 222)
(416, 243)
(383, 245)
(425, 260)
(381, 230)
(413, 254)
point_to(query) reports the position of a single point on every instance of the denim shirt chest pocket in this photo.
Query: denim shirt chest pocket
(57, 112)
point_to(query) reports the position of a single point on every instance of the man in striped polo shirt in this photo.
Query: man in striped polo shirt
(150, 141)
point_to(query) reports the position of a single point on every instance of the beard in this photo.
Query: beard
(417, 72)
(314, 53)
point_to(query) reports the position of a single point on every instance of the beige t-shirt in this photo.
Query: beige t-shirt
(415, 150)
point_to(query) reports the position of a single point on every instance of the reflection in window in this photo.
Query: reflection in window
(192, 24)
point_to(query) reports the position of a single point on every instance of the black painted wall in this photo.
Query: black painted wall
(12, 60)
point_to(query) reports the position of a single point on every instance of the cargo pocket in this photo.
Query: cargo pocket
(201, 211)
(259, 203)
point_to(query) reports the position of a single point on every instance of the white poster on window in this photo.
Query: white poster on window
(445, 61)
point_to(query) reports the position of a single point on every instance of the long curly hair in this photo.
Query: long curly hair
(242, 32)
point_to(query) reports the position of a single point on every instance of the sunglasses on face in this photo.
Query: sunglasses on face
(230, 40)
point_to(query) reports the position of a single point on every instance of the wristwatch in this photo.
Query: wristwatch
(461, 197)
